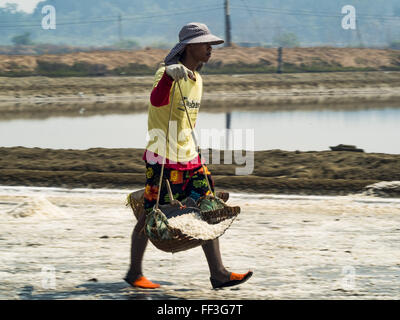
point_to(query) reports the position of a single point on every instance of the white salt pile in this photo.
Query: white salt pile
(35, 206)
(193, 225)
(383, 189)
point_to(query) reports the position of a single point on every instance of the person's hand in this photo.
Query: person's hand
(178, 72)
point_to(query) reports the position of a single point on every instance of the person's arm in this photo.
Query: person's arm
(160, 94)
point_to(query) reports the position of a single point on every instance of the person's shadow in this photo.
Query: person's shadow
(99, 290)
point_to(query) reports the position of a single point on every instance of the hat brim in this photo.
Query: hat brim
(207, 38)
(180, 46)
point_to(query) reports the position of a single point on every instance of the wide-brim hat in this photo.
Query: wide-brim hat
(193, 32)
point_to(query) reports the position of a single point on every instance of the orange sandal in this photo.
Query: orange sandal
(142, 282)
(234, 279)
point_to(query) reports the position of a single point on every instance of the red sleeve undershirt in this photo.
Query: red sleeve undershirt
(160, 94)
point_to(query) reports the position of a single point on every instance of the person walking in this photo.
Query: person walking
(182, 163)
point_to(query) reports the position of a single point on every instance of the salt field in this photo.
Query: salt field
(75, 244)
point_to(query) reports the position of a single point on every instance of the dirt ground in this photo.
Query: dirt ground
(275, 171)
(328, 56)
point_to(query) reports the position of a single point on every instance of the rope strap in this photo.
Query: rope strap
(167, 145)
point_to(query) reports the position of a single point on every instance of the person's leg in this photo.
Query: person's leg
(214, 260)
(198, 187)
(219, 275)
(139, 242)
(139, 239)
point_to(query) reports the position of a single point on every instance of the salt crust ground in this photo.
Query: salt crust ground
(74, 244)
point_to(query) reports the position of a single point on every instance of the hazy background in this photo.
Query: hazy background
(156, 23)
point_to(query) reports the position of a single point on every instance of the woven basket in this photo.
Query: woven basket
(169, 239)
(135, 201)
(214, 210)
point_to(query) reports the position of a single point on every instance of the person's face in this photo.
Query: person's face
(201, 52)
